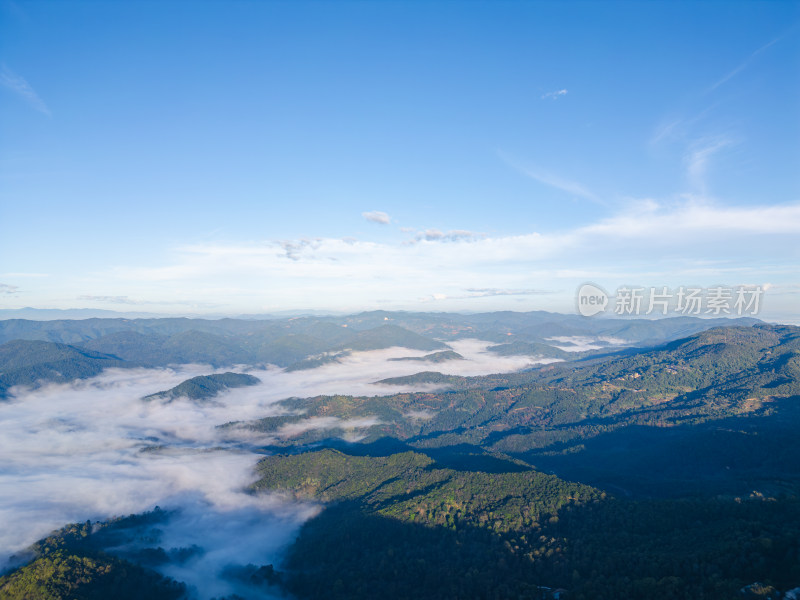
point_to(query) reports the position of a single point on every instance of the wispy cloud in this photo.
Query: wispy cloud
(698, 157)
(565, 185)
(455, 235)
(678, 128)
(18, 85)
(555, 95)
(111, 299)
(489, 292)
(743, 65)
(472, 293)
(377, 216)
(134, 302)
(8, 289)
(666, 130)
(550, 179)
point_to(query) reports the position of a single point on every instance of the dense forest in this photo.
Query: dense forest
(400, 527)
(72, 563)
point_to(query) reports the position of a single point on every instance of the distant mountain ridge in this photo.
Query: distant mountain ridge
(535, 326)
(300, 343)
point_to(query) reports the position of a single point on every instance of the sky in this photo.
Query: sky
(239, 157)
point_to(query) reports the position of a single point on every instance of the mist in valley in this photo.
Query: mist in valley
(94, 449)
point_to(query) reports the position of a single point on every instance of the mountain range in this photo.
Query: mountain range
(660, 463)
(307, 342)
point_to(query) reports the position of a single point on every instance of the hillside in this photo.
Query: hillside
(435, 357)
(399, 525)
(705, 391)
(520, 348)
(205, 387)
(389, 336)
(181, 348)
(72, 564)
(28, 363)
(412, 521)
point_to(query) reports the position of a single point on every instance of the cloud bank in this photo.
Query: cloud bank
(648, 242)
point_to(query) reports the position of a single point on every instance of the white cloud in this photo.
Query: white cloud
(462, 270)
(555, 95)
(292, 249)
(694, 221)
(377, 216)
(8, 289)
(317, 423)
(578, 343)
(18, 85)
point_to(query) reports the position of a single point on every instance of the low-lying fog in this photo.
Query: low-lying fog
(581, 343)
(73, 452)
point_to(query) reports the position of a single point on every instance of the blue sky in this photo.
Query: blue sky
(242, 157)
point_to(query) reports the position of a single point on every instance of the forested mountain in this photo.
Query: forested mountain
(72, 563)
(694, 392)
(401, 526)
(26, 363)
(181, 348)
(435, 357)
(364, 331)
(529, 349)
(705, 424)
(204, 387)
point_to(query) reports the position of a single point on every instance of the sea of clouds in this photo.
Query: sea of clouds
(79, 451)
